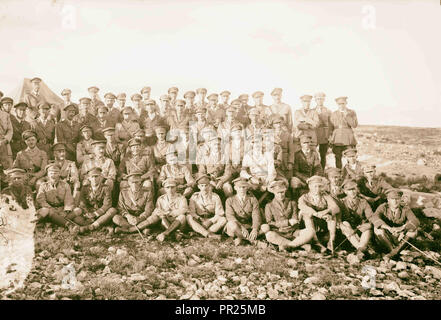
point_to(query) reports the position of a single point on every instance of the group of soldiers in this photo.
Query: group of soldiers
(250, 172)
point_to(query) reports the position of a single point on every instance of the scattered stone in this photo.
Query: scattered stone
(106, 270)
(238, 260)
(294, 274)
(35, 285)
(112, 249)
(376, 293)
(312, 280)
(421, 162)
(435, 272)
(400, 266)
(352, 259)
(318, 296)
(390, 287)
(403, 275)
(45, 254)
(121, 252)
(137, 277)
(192, 262)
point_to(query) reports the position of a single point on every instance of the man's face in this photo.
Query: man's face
(306, 146)
(93, 94)
(319, 100)
(134, 183)
(351, 192)
(95, 180)
(342, 104)
(258, 101)
(335, 180)
(173, 95)
(101, 114)
(160, 135)
(170, 190)
(17, 180)
(121, 103)
(277, 97)
(53, 175)
(351, 159)
(67, 97)
(109, 136)
(109, 102)
(31, 142)
(213, 101)
(280, 195)
(135, 149)
(145, 95)
(306, 104)
(99, 150)
(241, 190)
(164, 103)
(179, 107)
(137, 103)
(87, 134)
(70, 114)
(85, 105)
(82, 110)
(369, 174)
(244, 100)
(7, 106)
(201, 96)
(236, 106)
(44, 112)
(224, 98)
(36, 86)
(316, 188)
(189, 100)
(150, 107)
(60, 155)
(204, 187)
(200, 116)
(21, 112)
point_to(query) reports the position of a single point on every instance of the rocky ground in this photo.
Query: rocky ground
(98, 266)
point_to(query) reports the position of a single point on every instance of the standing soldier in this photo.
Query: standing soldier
(101, 122)
(244, 101)
(66, 94)
(68, 170)
(306, 164)
(240, 114)
(323, 210)
(98, 160)
(343, 121)
(95, 209)
(242, 213)
(114, 115)
(33, 99)
(68, 131)
(5, 134)
(19, 125)
(254, 127)
(145, 93)
(306, 120)
(121, 101)
(190, 106)
(234, 151)
(152, 118)
(224, 128)
(201, 93)
(114, 149)
(281, 109)
(352, 169)
(373, 187)
(286, 143)
(6, 104)
(215, 114)
(225, 96)
(201, 123)
(177, 119)
(54, 199)
(171, 209)
(165, 107)
(96, 101)
(355, 221)
(264, 110)
(44, 127)
(138, 107)
(135, 205)
(31, 159)
(394, 224)
(85, 116)
(324, 128)
(173, 93)
(84, 146)
(125, 130)
(206, 214)
(282, 221)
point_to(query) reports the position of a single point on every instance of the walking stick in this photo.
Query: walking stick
(436, 261)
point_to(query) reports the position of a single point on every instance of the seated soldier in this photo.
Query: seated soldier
(355, 219)
(180, 173)
(242, 213)
(146, 149)
(114, 150)
(283, 222)
(135, 161)
(31, 159)
(171, 209)
(212, 162)
(17, 189)
(161, 147)
(135, 205)
(206, 213)
(84, 147)
(99, 160)
(373, 187)
(352, 169)
(68, 171)
(125, 130)
(335, 183)
(258, 166)
(323, 209)
(394, 224)
(282, 134)
(185, 149)
(54, 199)
(95, 209)
(306, 164)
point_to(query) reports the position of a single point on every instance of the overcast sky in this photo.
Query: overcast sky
(384, 56)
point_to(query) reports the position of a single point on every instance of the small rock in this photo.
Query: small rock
(273, 294)
(137, 277)
(45, 254)
(95, 250)
(187, 295)
(400, 266)
(161, 297)
(111, 249)
(35, 285)
(222, 279)
(421, 162)
(82, 275)
(436, 272)
(195, 297)
(376, 292)
(192, 262)
(318, 296)
(238, 260)
(294, 273)
(261, 296)
(196, 258)
(391, 286)
(121, 252)
(106, 270)
(311, 280)
(352, 259)
(403, 275)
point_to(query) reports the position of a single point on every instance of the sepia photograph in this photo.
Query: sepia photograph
(237, 151)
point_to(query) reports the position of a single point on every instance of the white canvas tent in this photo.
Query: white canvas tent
(19, 93)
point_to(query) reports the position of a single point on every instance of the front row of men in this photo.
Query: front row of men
(323, 209)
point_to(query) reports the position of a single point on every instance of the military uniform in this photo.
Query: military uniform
(33, 100)
(107, 166)
(113, 116)
(139, 163)
(277, 214)
(305, 123)
(376, 188)
(45, 130)
(306, 166)
(323, 132)
(283, 110)
(354, 172)
(242, 212)
(175, 121)
(68, 132)
(181, 174)
(125, 130)
(6, 133)
(115, 151)
(159, 152)
(139, 205)
(18, 127)
(84, 151)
